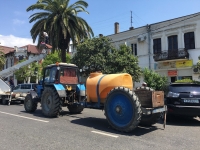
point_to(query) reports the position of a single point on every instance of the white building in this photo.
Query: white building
(171, 47)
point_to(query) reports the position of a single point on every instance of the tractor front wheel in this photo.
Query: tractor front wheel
(51, 103)
(75, 108)
(123, 109)
(29, 104)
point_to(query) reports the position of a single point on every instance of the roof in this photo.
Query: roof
(30, 49)
(189, 16)
(6, 49)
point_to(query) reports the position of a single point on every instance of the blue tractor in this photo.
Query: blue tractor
(59, 87)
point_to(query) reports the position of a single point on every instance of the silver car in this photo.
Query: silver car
(20, 91)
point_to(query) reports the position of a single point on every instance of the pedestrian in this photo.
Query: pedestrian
(11, 83)
(45, 42)
(46, 37)
(6, 81)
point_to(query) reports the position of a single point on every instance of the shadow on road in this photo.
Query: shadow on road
(182, 121)
(102, 125)
(17, 103)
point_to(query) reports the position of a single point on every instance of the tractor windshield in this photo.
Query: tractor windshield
(68, 76)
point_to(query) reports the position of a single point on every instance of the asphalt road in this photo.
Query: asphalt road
(89, 131)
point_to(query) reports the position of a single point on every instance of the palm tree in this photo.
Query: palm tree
(61, 22)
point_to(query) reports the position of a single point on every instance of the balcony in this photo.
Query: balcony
(171, 54)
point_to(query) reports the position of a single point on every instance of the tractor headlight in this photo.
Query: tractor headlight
(172, 94)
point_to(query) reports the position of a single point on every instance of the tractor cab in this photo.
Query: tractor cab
(61, 73)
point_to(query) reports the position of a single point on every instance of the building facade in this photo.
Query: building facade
(171, 47)
(12, 59)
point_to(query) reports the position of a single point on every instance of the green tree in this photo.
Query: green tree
(53, 58)
(25, 72)
(198, 63)
(122, 60)
(98, 54)
(154, 80)
(62, 22)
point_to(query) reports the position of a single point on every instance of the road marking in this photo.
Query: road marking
(23, 117)
(103, 133)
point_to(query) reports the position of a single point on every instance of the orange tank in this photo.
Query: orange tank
(98, 85)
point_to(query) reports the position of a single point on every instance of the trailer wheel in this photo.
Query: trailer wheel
(29, 104)
(122, 109)
(51, 103)
(149, 120)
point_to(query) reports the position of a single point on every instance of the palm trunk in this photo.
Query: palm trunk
(64, 49)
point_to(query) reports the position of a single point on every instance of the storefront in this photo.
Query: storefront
(175, 70)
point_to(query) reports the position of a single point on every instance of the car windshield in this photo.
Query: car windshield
(181, 88)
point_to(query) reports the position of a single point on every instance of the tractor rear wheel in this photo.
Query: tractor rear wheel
(149, 120)
(122, 109)
(51, 103)
(29, 104)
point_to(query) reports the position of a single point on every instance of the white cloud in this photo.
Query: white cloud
(18, 22)
(12, 41)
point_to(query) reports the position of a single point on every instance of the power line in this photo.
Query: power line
(114, 17)
(158, 28)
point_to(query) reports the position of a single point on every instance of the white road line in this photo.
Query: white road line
(23, 117)
(105, 134)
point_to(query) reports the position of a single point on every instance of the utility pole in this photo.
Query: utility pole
(149, 44)
(131, 19)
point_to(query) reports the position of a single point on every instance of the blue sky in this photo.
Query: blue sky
(15, 27)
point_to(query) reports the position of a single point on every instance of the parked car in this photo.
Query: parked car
(183, 99)
(20, 91)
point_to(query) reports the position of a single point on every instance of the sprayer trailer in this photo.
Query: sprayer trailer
(124, 108)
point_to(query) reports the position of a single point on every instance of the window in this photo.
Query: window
(17, 87)
(21, 58)
(47, 75)
(134, 49)
(25, 86)
(157, 46)
(189, 40)
(68, 75)
(6, 64)
(53, 74)
(172, 43)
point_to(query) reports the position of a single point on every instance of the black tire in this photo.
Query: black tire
(75, 108)
(145, 88)
(149, 120)
(122, 109)
(51, 103)
(4, 101)
(29, 104)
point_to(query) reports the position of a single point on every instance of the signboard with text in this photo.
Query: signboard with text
(172, 73)
(174, 64)
(184, 63)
